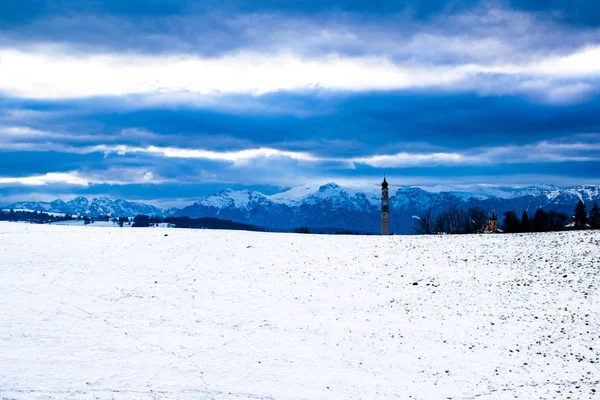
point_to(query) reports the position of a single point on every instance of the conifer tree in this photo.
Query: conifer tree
(557, 220)
(595, 216)
(511, 222)
(540, 221)
(525, 222)
(580, 218)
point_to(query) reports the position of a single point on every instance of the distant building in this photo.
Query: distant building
(385, 208)
(493, 223)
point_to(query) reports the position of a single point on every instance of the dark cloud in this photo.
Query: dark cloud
(26, 163)
(420, 8)
(499, 173)
(15, 13)
(400, 29)
(335, 125)
(576, 12)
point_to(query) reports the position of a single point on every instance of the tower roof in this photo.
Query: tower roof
(384, 184)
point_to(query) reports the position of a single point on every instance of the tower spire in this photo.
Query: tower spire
(385, 208)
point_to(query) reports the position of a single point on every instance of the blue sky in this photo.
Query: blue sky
(169, 100)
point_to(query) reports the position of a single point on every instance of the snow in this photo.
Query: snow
(93, 224)
(550, 191)
(294, 195)
(107, 224)
(80, 222)
(136, 314)
(331, 190)
(240, 199)
(313, 193)
(97, 206)
(583, 193)
(480, 192)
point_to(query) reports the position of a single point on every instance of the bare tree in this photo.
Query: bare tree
(477, 218)
(441, 223)
(456, 221)
(302, 229)
(424, 223)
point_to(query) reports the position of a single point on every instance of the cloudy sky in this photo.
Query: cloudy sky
(168, 100)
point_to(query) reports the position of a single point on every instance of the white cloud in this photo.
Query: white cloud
(53, 75)
(70, 178)
(580, 148)
(114, 176)
(408, 159)
(269, 166)
(537, 152)
(585, 62)
(39, 74)
(22, 132)
(243, 157)
(236, 157)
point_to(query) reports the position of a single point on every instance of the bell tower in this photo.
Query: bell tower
(385, 208)
(493, 222)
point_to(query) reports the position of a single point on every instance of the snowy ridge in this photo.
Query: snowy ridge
(95, 207)
(583, 193)
(298, 194)
(293, 195)
(472, 191)
(550, 191)
(330, 192)
(333, 206)
(230, 198)
(353, 208)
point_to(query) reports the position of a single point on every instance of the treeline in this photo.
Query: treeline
(143, 221)
(475, 219)
(328, 231)
(210, 223)
(542, 221)
(34, 217)
(553, 221)
(139, 221)
(40, 217)
(453, 221)
(583, 220)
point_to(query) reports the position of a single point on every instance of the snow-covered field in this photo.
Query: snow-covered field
(191, 314)
(106, 224)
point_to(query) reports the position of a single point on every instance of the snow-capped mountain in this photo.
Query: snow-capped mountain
(332, 207)
(329, 206)
(83, 206)
(240, 206)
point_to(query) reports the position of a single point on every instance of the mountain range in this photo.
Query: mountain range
(94, 207)
(331, 207)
